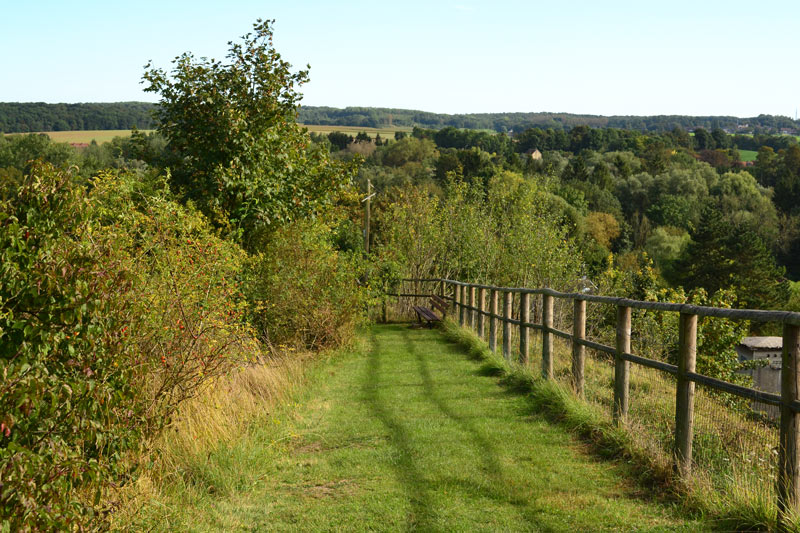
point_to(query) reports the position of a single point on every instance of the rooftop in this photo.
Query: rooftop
(763, 343)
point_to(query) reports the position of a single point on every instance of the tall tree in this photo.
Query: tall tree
(244, 159)
(723, 255)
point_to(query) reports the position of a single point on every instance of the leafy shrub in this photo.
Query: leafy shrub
(67, 389)
(186, 319)
(115, 304)
(304, 292)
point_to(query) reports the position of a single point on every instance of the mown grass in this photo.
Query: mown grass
(730, 486)
(748, 155)
(407, 433)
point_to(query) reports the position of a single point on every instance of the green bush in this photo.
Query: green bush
(304, 292)
(116, 303)
(67, 386)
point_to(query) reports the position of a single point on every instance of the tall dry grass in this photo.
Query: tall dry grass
(219, 415)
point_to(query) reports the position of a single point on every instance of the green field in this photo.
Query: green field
(748, 155)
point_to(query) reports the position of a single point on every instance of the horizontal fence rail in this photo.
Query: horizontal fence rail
(469, 303)
(755, 315)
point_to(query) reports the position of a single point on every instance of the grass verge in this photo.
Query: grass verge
(739, 510)
(196, 452)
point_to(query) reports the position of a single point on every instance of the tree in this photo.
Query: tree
(603, 227)
(243, 159)
(703, 140)
(340, 140)
(723, 255)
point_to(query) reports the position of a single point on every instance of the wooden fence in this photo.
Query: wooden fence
(469, 303)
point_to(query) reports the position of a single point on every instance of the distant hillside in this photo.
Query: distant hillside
(383, 117)
(29, 117)
(37, 116)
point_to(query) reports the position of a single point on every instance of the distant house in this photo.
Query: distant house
(79, 145)
(766, 378)
(534, 154)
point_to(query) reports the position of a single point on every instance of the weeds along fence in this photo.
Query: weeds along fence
(736, 443)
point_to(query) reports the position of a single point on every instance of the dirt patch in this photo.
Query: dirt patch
(310, 448)
(333, 488)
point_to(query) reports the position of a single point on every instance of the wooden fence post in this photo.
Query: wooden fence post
(524, 332)
(547, 337)
(462, 292)
(481, 310)
(621, 366)
(788, 450)
(578, 350)
(507, 301)
(471, 310)
(684, 393)
(493, 308)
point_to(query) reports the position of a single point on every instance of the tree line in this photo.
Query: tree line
(33, 117)
(671, 210)
(16, 117)
(373, 117)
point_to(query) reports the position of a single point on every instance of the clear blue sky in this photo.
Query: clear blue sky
(601, 57)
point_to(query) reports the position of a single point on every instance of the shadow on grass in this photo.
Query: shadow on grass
(407, 471)
(550, 402)
(496, 489)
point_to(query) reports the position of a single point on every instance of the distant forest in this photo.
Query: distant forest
(38, 116)
(375, 117)
(32, 117)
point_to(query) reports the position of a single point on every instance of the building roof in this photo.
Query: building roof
(762, 343)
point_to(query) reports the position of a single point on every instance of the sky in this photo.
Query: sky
(703, 57)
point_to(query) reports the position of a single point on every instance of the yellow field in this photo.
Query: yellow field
(101, 136)
(85, 136)
(353, 130)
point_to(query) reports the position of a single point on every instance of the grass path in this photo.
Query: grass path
(408, 433)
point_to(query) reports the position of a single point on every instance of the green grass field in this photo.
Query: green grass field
(748, 155)
(407, 433)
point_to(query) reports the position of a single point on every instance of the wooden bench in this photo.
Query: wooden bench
(426, 314)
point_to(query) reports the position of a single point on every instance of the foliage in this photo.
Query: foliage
(717, 339)
(24, 117)
(18, 151)
(244, 160)
(67, 386)
(726, 256)
(303, 292)
(115, 305)
(508, 236)
(603, 227)
(505, 122)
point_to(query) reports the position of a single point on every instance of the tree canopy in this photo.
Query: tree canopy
(243, 159)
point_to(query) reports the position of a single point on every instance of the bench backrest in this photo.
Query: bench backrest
(438, 303)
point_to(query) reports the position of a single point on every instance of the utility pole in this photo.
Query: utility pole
(367, 202)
